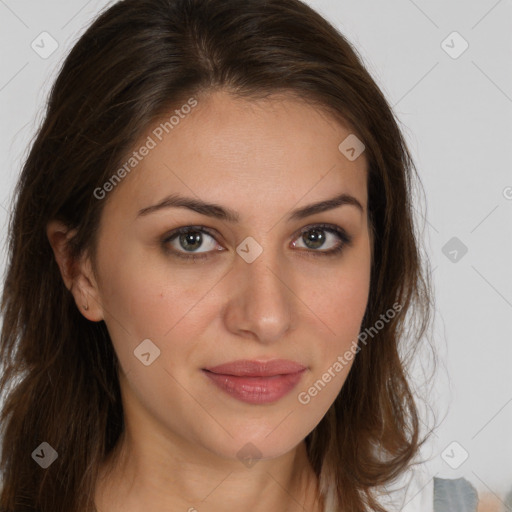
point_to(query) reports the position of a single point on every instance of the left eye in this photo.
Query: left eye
(314, 237)
(191, 238)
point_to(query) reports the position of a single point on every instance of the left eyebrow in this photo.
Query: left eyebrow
(322, 206)
(226, 214)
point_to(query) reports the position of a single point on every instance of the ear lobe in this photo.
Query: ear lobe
(77, 275)
(86, 292)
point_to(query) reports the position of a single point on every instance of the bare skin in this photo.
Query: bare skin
(180, 449)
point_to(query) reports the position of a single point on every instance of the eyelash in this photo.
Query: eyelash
(346, 240)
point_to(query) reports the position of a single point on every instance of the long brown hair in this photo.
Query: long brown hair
(137, 61)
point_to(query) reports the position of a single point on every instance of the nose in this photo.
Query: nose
(262, 304)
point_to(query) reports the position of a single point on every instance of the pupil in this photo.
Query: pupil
(189, 239)
(316, 236)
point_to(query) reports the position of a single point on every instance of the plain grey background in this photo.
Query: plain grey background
(452, 93)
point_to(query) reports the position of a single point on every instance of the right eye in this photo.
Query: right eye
(188, 239)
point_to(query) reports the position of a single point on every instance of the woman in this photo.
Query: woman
(212, 270)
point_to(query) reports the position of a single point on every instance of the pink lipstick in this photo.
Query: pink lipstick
(256, 382)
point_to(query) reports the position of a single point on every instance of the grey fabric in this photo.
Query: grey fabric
(508, 501)
(454, 495)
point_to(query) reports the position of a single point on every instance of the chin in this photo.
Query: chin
(253, 441)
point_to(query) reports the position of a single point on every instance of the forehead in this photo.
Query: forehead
(243, 153)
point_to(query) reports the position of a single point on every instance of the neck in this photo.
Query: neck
(140, 476)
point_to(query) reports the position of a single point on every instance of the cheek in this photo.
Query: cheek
(144, 294)
(338, 311)
(340, 300)
(343, 315)
(146, 299)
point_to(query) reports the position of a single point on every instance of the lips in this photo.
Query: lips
(256, 382)
(247, 368)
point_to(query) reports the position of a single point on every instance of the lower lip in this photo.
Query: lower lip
(256, 390)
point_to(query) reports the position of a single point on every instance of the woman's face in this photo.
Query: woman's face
(261, 290)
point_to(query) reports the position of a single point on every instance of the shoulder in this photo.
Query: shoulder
(458, 494)
(424, 493)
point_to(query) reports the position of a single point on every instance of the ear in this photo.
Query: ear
(78, 276)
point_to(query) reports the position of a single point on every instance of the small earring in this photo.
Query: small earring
(86, 307)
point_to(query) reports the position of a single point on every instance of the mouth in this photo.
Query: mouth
(247, 368)
(256, 382)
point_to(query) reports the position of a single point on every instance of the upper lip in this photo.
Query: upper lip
(247, 368)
